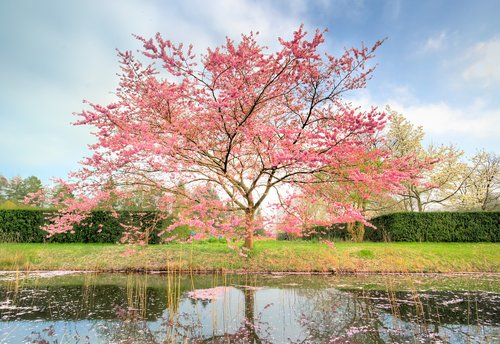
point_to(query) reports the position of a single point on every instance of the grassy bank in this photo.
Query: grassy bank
(268, 256)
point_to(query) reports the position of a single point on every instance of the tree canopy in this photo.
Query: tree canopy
(228, 129)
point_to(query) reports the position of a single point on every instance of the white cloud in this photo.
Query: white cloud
(471, 127)
(483, 63)
(441, 119)
(435, 43)
(206, 24)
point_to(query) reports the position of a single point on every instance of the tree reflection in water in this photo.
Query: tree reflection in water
(158, 310)
(185, 327)
(360, 316)
(326, 316)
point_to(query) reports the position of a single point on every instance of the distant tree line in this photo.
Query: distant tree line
(13, 191)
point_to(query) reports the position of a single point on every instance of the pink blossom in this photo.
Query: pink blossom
(208, 294)
(216, 135)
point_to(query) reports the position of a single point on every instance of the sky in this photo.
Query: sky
(439, 66)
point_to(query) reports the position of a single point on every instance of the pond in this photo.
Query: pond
(184, 308)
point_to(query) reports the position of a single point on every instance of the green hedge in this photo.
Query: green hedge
(436, 227)
(23, 225)
(418, 227)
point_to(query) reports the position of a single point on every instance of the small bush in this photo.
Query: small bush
(336, 232)
(182, 233)
(364, 254)
(285, 236)
(218, 240)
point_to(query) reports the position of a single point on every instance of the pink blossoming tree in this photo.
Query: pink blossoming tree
(217, 135)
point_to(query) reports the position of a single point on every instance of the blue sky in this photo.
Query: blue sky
(439, 66)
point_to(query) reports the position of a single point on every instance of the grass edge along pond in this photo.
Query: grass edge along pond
(267, 256)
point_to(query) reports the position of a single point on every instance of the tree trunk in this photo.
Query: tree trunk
(418, 199)
(419, 204)
(360, 227)
(356, 230)
(360, 231)
(350, 230)
(146, 236)
(486, 197)
(249, 227)
(248, 241)
(249, 316)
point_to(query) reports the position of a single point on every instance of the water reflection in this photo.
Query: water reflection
(174, 308)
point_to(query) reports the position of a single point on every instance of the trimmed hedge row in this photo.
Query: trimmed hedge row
(436, 227)
(23, 225)
(418, 227)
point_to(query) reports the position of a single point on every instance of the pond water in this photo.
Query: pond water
(177, 308)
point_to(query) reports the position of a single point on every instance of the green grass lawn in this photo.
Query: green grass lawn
(267, 256)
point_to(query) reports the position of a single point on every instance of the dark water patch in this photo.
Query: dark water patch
(121, 308)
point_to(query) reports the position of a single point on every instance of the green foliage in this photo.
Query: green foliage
(365, 254)
(417, 227)
(283, 236)
(9, 205)
(23, 225)
(336, 232)
(17, 188)
(436, 227)
(219, 240)
(180, 232)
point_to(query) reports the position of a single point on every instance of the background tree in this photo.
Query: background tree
(370, 196)
(242, 121)
(17, 189)
(363, 189)
(143, 199)
(3, 184)
(482, 189)
(444, 175)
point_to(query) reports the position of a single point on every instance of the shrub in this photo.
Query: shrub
(23, 225)
(436, 227)
(183, 232)
(428, 226)
(284, 236)
(336, 232)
